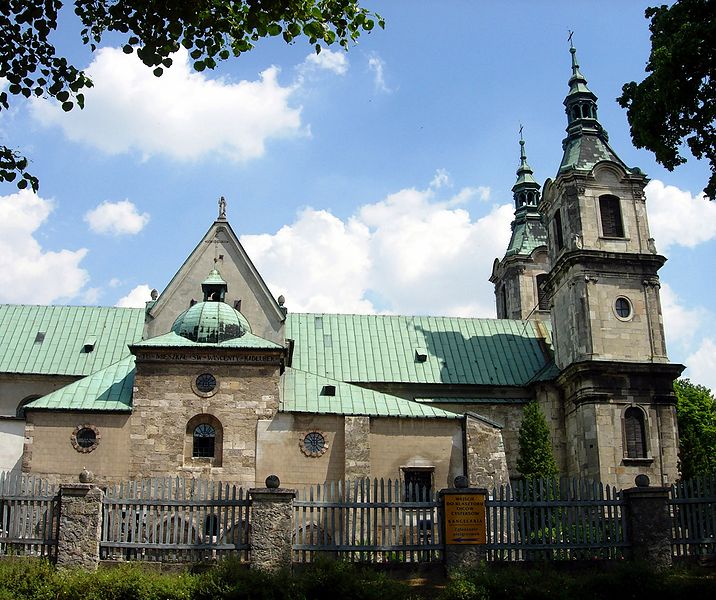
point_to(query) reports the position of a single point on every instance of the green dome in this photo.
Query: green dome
(211, 323)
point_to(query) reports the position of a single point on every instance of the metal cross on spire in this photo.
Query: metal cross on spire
(521, 128)
(569, 39)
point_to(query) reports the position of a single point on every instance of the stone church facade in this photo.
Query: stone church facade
(215, 378)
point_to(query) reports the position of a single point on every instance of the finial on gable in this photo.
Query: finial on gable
(222, 208)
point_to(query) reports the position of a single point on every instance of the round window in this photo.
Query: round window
(85, 438)
(314, 444)
(622, 307)
(206, 383)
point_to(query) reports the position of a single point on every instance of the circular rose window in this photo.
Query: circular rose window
(85, 438)
(314, 444)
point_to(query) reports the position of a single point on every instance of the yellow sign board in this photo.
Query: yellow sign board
(465, 519)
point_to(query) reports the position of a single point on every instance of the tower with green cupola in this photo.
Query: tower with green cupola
(519, 277)
(606, 316)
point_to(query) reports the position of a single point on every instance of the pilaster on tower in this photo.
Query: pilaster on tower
(518, 277)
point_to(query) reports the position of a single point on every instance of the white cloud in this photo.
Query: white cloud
(681, 324)
(377, 65)
(116, 218)
(678, 218)
(114, 282)
(29, 274)
(136, 298)
(702, 364)
(409, 253)
(183, 114)
(441, 179)
(335, 62)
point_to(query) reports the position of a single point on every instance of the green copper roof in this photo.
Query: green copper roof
(172, 340)
(577, 82)
(305, 392)
(54, 340)
(382, 348)
(527, 235)
(211, 322)
(214, 278)
(524, 172)
(584, 152)
(109, 389)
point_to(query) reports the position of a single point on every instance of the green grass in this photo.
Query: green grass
(231, 580)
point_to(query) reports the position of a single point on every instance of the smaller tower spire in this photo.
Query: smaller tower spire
(526, 189)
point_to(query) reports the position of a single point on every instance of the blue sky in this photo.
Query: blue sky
(373, 180)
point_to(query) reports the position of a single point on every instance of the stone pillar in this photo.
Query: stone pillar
(271, 526)
(486, 458)
(357, 447)
(649, 523)
(80, 526)
(464, 525)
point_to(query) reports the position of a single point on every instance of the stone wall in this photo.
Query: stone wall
(357, 447)
(165, 401)
(486, 460)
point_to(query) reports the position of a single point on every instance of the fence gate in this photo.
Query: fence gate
(174, 519)
(30, 516)
(368, 521)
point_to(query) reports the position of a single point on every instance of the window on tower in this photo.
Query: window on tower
(634, 433)
(611, 213)
(559, 238)
(542, 299)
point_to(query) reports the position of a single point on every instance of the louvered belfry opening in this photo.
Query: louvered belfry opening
(634, 433)
(610, 211)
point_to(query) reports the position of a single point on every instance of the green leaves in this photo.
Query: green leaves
(676, 102)
(211, 30)
(536, 457)
(696, 416)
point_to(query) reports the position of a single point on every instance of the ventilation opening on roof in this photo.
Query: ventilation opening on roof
(421, 355)
(237, 305)
(327, 341)
(328, 390)
(40, 337)
(89, 344)
(192, 302)
(319, 322)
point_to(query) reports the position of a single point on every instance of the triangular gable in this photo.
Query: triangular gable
(244, 283)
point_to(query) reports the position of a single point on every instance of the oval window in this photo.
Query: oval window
(622, 307)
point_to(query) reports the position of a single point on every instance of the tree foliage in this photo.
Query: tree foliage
(696, 415)
(536, 457)
(676, 102)
(211, 30)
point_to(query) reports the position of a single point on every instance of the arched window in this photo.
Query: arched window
(20, 412)
(542, 299)
(559, 237)
(634, 433)
(611, 213)
(204, 440)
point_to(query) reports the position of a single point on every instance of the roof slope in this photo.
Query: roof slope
(303, 392)
(173, 340)
(373, 348)
(66, 330)
(109, 389)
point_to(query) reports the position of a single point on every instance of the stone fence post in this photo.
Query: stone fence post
(464, 526)
(649, 523)
(271, 526)
(80, 526)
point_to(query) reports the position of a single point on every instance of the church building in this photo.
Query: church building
(216, 379)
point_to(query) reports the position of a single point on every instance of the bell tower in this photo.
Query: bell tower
(606, 312)
(519, 277)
